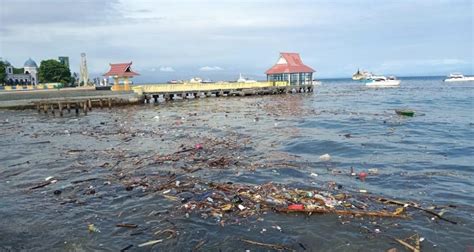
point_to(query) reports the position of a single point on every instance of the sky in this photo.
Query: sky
(218, 39)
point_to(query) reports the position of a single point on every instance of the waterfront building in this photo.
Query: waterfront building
(28, 77)
(290, 68)
(121, 72)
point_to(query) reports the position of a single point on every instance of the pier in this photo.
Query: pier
(83, 100)
(75, 104)
(153, 92)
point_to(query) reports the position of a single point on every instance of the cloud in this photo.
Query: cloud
(249, 43)
(403, 65)
(166, 69)
(211, 68)
(424, 62)
(35, 13)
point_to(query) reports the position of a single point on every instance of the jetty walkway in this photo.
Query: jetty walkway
(153, 92)
(86, 98)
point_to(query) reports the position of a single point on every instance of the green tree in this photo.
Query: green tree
(53, 71)
(18, 70)
(3, 73)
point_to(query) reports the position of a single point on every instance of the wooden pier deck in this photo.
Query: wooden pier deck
(56, 102)
(152, 93)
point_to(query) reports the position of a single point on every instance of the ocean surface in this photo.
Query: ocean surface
(427, 159)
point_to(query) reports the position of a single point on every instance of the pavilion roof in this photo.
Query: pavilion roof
(289, 63)
(121, 70)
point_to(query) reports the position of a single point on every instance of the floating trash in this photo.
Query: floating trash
(325, 158)
(405, 112)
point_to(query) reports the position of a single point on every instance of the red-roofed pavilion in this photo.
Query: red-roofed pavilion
(290, 68)
(121, 71)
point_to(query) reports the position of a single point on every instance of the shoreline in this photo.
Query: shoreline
(17, 100)
(31, 99)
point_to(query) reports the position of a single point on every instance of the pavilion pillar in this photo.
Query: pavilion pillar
(116, 86)
(126, 84)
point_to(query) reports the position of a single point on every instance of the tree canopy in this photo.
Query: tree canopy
(53, 71)
(3, 73)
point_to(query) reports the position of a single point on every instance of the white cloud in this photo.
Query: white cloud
(211, 68)
(166, 69)
(423, 62)
(399, 65)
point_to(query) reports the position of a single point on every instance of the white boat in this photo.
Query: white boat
(361, 75)
(382, 81)
(316, 83)
(195, 80)
(457, 77)
(245, 80)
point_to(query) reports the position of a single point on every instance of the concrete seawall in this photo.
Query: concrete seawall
(29, 99)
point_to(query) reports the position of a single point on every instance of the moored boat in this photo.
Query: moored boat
(361, 75)
(382, 81)
(457, 77)
(245, 80)
(316, 83)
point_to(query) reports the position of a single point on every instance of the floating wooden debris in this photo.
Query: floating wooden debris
(150, 243)
(416, 247)
(267, 245)
(126, 225)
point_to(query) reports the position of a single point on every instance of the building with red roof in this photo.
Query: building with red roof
(121, 71)
(290, 68)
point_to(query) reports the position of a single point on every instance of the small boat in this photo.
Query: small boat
(361, 75)
(457, 77)
(245, 80)
(195, 80)
(316, 83)
(382, 81)
(405, 112)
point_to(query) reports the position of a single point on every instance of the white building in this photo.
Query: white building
(29, 76)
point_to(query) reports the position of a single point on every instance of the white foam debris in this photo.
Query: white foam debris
(326, 157)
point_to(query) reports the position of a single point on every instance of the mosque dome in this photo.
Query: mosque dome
(30, 63)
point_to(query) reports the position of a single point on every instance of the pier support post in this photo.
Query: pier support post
(68, 106)
(77, 108)
(89, 104)
(84, 107)
(60, 109)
